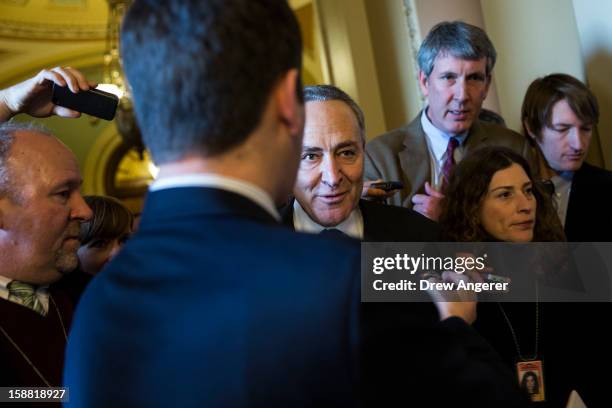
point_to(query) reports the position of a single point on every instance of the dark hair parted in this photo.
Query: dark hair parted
(458, 39)
(545, 92)
(201, 71)
(322, 93)
(110, 219)
(467, 187)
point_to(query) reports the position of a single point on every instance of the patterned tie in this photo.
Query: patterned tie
(449, 163)
(25, 294)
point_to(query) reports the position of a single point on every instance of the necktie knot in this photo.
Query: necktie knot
(25, 294)
(450, 148)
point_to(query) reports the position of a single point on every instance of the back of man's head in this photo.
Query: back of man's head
(457, 39)
(201, 71)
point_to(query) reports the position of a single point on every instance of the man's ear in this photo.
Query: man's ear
(290, 107)
(423, 83)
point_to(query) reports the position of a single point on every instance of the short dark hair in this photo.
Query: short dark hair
(201, 71)
(321, 93)
(110, 219)
(545, 92)
(467, 188)
(459, 39)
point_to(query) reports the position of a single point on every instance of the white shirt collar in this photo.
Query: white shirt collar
(438, 140)
(352, 226)
(243, 188)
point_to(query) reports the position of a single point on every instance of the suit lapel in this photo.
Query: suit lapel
(476, 137)
(286, 214)
(372, 230)
(414, 158)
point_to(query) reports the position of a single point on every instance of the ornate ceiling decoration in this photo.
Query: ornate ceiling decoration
(53, 19)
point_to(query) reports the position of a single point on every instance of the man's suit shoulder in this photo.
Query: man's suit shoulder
(396, 224)
(389, 213)
(594, 173)
(393, 139)
(588, 218)
(501, 133)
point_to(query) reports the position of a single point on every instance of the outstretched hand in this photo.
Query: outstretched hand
(454, 303)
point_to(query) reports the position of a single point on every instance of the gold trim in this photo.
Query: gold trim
(39, 31)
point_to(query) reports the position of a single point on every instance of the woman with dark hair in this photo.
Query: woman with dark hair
(492, 196)
(104, 234)
(471, 192)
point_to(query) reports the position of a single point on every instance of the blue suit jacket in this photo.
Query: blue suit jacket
(213, 303)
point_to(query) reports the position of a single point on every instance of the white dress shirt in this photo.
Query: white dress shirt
(352, 226)
(437, 143)
(243, 188)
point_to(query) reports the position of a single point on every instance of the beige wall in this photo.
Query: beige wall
(594, 22)
(352, 67)
(397, 76)
(533, 38)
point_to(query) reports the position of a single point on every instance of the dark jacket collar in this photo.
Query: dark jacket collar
(193, 201)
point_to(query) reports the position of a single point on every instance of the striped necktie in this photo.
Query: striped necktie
(25, 294)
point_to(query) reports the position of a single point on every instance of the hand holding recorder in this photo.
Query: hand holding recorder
(34, 96)
(380, 189)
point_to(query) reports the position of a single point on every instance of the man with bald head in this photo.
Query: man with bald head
(41, 209)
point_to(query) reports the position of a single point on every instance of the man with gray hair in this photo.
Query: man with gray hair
(456, 61)
(330, 177)
(41, 209)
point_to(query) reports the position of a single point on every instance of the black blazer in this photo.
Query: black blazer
(589, 211)
(396, 336)
(386, 223)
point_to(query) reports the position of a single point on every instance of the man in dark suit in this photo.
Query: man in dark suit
(456, 61)
(330, 177)
(559, 114)
(41, 209)
(214, 302)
